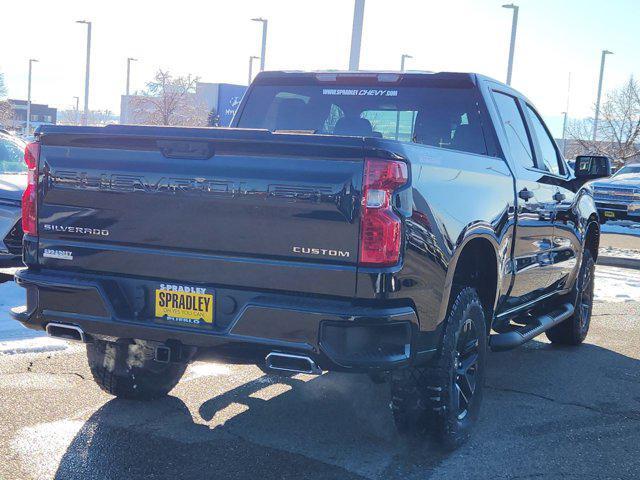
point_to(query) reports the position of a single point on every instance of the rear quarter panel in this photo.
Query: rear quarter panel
(456, 197)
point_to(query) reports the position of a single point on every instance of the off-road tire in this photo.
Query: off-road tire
(128, 370)
(574, 329)
(425, 400)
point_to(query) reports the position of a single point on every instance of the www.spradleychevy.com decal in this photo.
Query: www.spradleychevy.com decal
(363, 92)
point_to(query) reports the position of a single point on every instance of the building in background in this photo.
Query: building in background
(40, 115)
(221, 100)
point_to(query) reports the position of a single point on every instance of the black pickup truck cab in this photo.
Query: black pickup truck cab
(393, 224)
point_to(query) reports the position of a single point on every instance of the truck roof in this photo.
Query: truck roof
(406, 78)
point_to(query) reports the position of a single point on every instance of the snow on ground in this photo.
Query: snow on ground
(14, 338)
(613, 284)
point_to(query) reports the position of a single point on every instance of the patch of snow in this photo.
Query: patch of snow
(41, 447)
(614, 284)
(32, 345)
(198, 370)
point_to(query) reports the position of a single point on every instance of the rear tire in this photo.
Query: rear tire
(574, 329)
(128, 370)
(444, 399)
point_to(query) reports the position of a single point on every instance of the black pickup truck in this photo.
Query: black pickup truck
(398, 225)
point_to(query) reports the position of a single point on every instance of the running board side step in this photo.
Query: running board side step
(506, 341)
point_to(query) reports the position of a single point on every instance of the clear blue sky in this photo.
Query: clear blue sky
(213, 39)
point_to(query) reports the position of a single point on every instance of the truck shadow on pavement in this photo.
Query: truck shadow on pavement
(547, 411)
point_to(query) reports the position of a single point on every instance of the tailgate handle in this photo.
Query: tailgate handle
(186, 149)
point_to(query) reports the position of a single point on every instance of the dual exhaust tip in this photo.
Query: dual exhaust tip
(286, 362)
(66, 332)
(276, 361)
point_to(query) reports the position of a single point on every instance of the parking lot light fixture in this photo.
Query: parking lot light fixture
(85, 115)
(512, 45)
(402, 60)
(263, 51)
(599, 95)
(28, 125)
(251, 59)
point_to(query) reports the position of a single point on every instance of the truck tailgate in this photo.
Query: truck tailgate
(234, 207)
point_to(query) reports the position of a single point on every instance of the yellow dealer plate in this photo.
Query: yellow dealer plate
(609, 214)
(197, 307)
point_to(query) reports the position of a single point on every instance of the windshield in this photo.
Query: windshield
(440, 117)
(628, 169)
(12, 156)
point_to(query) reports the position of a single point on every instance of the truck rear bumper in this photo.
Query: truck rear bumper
(337, 334)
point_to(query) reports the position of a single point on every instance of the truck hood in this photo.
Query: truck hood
(625, 180)
(12, 185)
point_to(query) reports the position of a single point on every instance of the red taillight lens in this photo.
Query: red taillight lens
(29, 197)
(380, 227)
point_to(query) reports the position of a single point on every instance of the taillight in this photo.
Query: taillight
(29, 197)
(380, 227)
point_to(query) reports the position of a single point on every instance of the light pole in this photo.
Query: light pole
(129, 60)
(512, 46)
(356, 35)
(566, 115)
(597, 115)
(85, 115)
(77, 99)
(402, 60)
(251, 59)
(564, 133)
(28, 126)
(263, 51)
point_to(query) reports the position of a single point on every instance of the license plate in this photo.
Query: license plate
(610, 214)
(188, 308)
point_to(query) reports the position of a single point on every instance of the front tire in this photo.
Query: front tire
(128, 370)
(444, 399)
(574, 329)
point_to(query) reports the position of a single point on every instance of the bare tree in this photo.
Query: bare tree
(169, 100)
(618, 135)
(6, 110)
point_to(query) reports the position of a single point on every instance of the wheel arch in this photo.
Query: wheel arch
(592, 236)
(475, 263)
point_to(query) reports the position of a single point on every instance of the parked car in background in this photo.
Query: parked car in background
(618, 197)
(13, 181)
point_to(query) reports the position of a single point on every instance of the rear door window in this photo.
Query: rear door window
(515, 129)
(436, 116)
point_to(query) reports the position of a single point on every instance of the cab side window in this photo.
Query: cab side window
(550, 160)
(515, 128)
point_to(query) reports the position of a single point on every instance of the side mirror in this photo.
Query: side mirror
(592, 166)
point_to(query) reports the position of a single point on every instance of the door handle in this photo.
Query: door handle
(525, 194)
(559, 196)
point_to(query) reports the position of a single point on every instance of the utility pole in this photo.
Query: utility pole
(251, 59)
(263, 51)
(356, 35)
(597, 115)
(129, 60)
(77, 99)
(402, 60)
(85, 116)
(564, 122)
(512, 45)
(28, 126)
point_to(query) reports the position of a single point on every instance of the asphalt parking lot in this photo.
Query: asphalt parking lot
(548, 412)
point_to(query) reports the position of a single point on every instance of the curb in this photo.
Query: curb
(619, 262)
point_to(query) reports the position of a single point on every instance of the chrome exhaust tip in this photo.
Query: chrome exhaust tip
(66, 332)
(286, 362)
